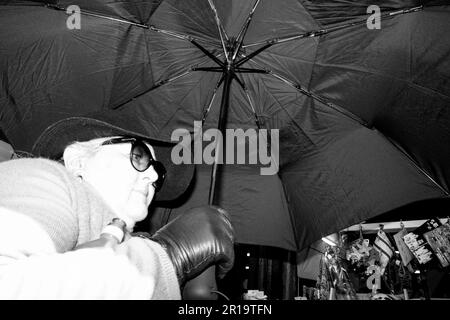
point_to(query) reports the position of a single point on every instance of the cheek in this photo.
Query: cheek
(123, 181)
(112, 176)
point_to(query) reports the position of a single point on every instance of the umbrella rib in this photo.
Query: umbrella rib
(221, 29)
(140, 25)
(191, 40)
(182, 36)
(249, 70)
(297, 86)
(321, 32)
(243, 31)
(290, 116)
(414, 163)
(254, 54)
(304, 91)
(250, 101)
(207, 53)
(166, 81)
(159, 84)
(209, 105)
(209, 69)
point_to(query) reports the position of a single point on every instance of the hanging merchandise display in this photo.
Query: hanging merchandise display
(334, 282)
(397, 277)
(375, 267)
(363, 260)
(405, 280)
(324, 281)
(393, 263)
(406, 254)
(439, 241)
(360, 253)
(419, 245)
(384, 247)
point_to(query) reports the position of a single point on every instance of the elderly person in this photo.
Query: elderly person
(65, 229)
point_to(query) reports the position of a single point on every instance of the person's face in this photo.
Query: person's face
(127, 191)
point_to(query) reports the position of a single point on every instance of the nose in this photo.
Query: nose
(150, 175)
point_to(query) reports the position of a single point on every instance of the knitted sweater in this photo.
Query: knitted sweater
(40, 197)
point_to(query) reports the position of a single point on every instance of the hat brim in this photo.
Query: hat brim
(52, 142)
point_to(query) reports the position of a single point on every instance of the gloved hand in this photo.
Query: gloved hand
(198, 239)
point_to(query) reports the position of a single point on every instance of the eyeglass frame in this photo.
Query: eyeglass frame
(157, 165)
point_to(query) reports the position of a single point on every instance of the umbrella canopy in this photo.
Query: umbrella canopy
(363, 113)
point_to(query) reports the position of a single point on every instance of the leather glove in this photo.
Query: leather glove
(198, 239)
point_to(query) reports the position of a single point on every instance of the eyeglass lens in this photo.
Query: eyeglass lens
(141, 159)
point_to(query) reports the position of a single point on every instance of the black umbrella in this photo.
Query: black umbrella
(362, 113)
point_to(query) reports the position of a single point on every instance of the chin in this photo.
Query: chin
(132, 215)
(140, 215)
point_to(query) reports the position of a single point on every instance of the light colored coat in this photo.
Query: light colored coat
(44, 213)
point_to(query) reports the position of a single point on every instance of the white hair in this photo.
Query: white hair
(77, 150)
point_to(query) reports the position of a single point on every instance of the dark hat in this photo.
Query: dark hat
(52, 142)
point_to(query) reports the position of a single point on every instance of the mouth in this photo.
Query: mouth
(145, 194)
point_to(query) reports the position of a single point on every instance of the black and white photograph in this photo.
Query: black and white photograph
(233, 156)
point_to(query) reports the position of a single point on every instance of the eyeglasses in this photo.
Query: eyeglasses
(141, 158)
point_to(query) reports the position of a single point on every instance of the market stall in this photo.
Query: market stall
(390, 261)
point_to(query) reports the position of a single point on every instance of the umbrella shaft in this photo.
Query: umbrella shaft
(213, 200)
